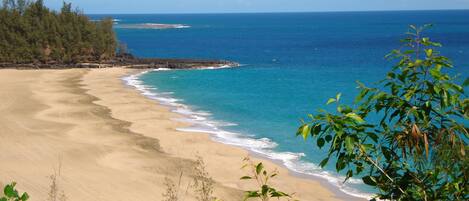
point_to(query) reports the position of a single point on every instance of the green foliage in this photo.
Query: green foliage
(11, 194)
(262, 178)
(31, 33)
(416, 150)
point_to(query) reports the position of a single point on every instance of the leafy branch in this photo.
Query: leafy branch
(406, 136)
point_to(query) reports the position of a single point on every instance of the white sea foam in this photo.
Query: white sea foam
(174, 26)
(115, 21)
(202, 123)
(152, 26)
(216, 67)
(160, 69)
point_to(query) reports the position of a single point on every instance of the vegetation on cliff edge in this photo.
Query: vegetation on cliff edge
(32, 33)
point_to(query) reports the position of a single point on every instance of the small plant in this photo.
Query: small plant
(55, 193)
(172, 191)
(11, 194)
(203, 183)
(262, 177)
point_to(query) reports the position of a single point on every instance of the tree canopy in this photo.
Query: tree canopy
(416, 147)
(32, 33)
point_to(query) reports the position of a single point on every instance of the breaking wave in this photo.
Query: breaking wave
(201, 122)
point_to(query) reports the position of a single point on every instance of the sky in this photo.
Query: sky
(236, 6)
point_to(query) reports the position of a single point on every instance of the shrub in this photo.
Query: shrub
(416, 150)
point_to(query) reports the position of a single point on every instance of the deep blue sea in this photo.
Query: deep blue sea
(291, 64)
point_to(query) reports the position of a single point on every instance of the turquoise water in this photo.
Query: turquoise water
(292, 63)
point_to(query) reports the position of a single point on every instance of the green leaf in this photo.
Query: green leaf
(418, 62)
(277, 194)
(340, 165)
(259, 168)
(10, 191)
(251, 194)
(429, 52)
(324, 162)
(444, 98)
(320, 142)
(436, 72)
(316, 129)
(386, 153)
(24, 197)
(328, 138)
(337, 97)
(246, 177)
(391, 75)
(437, 89)
(349, 174)
(408, 95)
(369, 180)
(362, 94)
(305, 132)
(349, 144)
(457, 88)
(373, 136)
(355, 117)
(331, 100)
(264, 190)
(425, 40)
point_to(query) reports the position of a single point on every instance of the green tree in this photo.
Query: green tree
(31, 33)
(416, 150)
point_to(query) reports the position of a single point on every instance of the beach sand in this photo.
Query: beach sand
(110, 142)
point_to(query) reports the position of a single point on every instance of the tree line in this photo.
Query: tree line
(32, 33)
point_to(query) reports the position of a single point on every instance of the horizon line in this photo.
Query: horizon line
(274, 12)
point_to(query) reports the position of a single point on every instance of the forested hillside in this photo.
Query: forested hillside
(32, 33)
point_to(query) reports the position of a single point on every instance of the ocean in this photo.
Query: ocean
(291, 63)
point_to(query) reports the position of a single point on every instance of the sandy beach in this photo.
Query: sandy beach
(110, 142)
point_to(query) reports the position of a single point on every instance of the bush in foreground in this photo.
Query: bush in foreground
(416, 150)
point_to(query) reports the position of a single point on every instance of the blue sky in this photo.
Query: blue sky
(222, 6)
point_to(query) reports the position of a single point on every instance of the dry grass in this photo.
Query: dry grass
(202, 185)
(55, 192)
(173, 191)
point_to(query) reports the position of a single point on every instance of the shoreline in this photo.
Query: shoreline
(111, 142)
(223, 162)
(340, 193)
